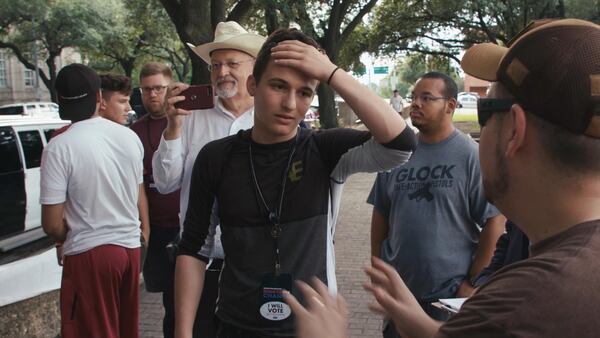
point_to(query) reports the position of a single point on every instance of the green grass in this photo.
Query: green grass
(464, 118)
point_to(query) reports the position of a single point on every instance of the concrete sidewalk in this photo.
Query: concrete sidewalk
(352, 254)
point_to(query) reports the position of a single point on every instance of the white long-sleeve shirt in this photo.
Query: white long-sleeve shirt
(173, 161)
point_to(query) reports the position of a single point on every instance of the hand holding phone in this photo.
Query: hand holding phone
(197, 97)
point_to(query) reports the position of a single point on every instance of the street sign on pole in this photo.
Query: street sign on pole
(380, 70)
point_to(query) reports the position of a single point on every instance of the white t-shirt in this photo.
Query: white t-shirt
(95, 168)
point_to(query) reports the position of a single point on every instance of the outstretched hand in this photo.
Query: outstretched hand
(395, 301)
(324, 316)
(305, 58)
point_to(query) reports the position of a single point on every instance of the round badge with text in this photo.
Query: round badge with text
(275, 311)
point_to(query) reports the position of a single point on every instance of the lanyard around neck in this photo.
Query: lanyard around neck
(273, 216)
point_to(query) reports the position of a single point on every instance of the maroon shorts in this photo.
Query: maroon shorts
(99, 295)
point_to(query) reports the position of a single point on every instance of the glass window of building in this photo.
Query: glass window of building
(29, 78)
(3, 82)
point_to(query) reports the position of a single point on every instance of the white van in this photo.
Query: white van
(35, 109)
(22, 140)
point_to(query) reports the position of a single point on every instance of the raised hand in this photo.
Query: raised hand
(174, 115)
(303, 57)
(395, 301)
(324, 316)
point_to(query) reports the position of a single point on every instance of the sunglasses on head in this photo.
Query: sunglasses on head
(487, 107)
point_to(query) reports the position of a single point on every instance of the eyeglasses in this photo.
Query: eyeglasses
(156, 89)
(426, 98)
(487, 107)
(230, 64)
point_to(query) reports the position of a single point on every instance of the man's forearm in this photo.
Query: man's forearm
(379, 232)
(167, 166)
(172, 131)
(189, 281)
(492, 230)
(53, 222)
(144, 214)
(58, 233)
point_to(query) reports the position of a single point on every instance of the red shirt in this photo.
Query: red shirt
(163, 209)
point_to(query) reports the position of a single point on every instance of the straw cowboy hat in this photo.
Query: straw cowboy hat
(230, 35)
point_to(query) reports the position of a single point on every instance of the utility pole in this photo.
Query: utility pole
(369, 67)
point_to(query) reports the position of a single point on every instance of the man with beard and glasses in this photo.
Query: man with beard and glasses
(230, 58)
(540, 164)
(158, 269)
(428, 213)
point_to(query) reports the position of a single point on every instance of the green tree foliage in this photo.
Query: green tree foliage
(412, 66)
(446, 27)
(584, 9)
(140, 31)
(11, 15)
(49, 26)
(349, 57)
(416, 65)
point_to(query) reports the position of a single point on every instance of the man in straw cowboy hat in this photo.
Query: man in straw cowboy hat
(540, 163)
(230, 58)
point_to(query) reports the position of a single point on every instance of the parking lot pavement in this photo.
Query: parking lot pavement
(352, 247)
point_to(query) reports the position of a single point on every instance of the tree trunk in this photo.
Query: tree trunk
(327, 111)
(271, 20)
(200, 73)
(192, 20)
(128, 65)
(52, 78)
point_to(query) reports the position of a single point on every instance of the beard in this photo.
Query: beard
(154, 109)
(427, 122)
(495, 187)
(223, 91)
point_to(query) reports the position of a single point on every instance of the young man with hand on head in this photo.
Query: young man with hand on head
(277, 188)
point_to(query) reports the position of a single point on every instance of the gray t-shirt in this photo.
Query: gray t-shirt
(435, 207)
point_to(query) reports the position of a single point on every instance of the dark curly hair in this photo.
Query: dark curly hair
(115, 83)
(282, 34)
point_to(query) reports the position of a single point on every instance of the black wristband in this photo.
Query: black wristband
(331, 76)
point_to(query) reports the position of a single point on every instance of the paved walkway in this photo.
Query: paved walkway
(352, 253)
